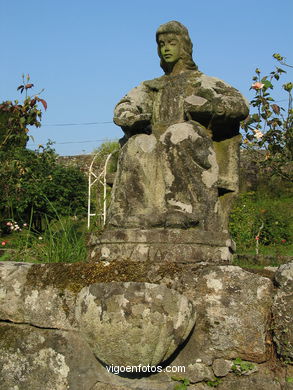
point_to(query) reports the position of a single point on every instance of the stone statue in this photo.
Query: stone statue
(179, 160)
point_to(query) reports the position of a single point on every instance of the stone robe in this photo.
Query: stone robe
(180, 152)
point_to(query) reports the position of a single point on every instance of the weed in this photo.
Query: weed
(182, 385)
(242, 367)
(214, 383)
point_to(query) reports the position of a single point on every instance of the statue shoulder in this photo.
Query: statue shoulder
(155, 84)
(218, 86)
(211, 82)
(136, 96)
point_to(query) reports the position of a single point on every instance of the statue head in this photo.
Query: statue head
(174, 47)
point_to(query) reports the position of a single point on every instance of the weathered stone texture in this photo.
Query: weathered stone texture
(21, 302)
(227, 298)
(221, 367)
(178, 166)
(170, 182)
(112, 320)
(47, 359)
(261, 383)
(133, 323)
(283, 312)
(198, 372)
(161, 245)
(284, 277)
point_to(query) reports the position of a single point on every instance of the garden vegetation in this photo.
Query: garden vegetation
(43, 203)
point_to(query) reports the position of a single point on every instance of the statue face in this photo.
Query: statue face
(169, 46)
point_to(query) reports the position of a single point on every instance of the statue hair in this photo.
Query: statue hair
(177, 28)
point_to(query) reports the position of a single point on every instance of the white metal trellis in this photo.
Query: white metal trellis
(101, 178)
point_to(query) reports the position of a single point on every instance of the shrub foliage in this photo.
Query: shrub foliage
(32, 183)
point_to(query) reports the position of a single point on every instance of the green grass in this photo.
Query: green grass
(269, 250)
(64, 240)
(264, 218)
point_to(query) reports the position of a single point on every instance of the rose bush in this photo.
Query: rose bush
(268, 129)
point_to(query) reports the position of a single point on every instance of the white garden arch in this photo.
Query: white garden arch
(102, 179)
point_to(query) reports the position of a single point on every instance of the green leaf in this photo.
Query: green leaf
(255, 118)
(267, 83)
(280, 70)
(180, 386)
(278, 57)
(288, 87)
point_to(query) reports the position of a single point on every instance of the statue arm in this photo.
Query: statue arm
(217, 102)
(134, 111)
(229, 102)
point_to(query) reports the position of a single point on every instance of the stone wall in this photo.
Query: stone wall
(61, 324)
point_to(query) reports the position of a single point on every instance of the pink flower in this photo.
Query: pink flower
(283, 241)
(257, 85)
(257, 238)
(3, 243)
(9, 223)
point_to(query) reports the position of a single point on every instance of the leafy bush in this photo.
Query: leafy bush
(37, 192)
(15, 118)
(255, 217)
(269, 127)
(33, 183)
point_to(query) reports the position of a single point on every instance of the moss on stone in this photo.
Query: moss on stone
(75, 276)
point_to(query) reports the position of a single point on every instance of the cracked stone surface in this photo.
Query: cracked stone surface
(133, 323)
(283, 312)
(56, 339)
(33, 358)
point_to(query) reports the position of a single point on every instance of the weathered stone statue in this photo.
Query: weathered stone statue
(168, 174)
(179, 161)
(134, 323)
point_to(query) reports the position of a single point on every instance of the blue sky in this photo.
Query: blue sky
(88, 54)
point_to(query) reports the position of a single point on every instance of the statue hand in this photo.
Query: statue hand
(219, 109)
(130, 119)
(197, 106)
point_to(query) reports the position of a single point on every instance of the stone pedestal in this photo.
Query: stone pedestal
(159, 245)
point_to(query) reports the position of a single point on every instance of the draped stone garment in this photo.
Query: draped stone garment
(168, 172)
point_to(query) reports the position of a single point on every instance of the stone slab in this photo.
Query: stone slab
(159, 245)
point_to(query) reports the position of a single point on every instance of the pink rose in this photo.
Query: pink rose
(257, 85)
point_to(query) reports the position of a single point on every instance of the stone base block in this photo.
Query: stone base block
(158, 245)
